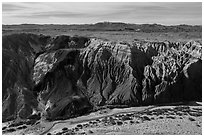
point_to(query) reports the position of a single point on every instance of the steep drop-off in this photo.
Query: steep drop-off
(18, 55)
(66, 76)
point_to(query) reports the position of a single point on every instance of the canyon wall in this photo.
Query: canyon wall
(64, 77)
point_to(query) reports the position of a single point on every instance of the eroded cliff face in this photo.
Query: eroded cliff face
(56, 83)
(18, 55)
(69, 76)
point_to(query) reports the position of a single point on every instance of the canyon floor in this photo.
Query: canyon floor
(181, 118)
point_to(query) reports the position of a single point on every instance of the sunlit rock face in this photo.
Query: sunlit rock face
(114, 73)
(57, 86)
(64, 77)
(170, 78)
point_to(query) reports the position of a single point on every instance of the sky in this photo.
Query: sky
(164, 13)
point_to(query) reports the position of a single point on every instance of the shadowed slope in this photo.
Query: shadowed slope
(66, 76)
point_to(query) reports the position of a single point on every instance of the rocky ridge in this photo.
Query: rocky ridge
(59, 77)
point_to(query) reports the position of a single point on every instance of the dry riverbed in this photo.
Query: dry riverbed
(168, 119)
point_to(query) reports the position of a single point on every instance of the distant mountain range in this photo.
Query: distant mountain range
(111, 26)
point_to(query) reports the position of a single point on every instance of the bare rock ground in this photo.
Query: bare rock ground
(169, 119)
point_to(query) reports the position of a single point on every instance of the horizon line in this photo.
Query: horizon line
(102, 22)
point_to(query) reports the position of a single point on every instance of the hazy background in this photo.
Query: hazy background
(79, 13)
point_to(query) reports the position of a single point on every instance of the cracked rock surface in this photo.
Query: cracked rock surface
(65, 77)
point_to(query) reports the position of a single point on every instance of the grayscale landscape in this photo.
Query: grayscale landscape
(102, 68)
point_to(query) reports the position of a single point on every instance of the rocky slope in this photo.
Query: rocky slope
(63, 77)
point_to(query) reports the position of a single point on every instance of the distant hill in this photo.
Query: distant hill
(109, 26)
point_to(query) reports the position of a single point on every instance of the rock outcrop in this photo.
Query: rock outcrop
(18, 56)
(67, 76)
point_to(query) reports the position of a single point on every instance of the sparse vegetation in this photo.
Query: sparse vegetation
(65, 128)
(191, 119)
